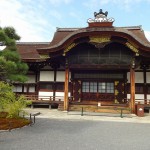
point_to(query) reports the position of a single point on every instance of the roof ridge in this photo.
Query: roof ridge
(19, 43)
(132, 27)
(67, 29)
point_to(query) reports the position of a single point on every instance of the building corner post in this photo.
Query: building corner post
(66, 102)
(132, 90)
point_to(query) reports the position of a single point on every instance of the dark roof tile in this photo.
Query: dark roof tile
(27, 50)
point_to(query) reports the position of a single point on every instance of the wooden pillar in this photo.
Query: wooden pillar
(22, 88)
(54, 84)
(27, 88)
(145, 89)
(132, 90)
(66, 103)
(37, 79)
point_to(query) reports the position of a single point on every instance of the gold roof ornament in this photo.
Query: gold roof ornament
(68, 48)
(133, 48)
(99, 39)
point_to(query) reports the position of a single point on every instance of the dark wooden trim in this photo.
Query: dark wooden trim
(97, 67)
(27, 89)
(51, 69)
(45, 90)
(22, 88)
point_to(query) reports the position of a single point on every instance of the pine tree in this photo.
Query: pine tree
(12, 69)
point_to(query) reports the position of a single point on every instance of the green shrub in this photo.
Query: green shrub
(11, 103)
(5, 94)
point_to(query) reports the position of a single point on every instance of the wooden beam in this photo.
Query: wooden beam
(132, 88)
(66, 103)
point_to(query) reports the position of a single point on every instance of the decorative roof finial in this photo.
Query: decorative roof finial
(101, 17)
(100, 13)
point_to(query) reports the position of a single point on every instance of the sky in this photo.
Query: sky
(37, 20)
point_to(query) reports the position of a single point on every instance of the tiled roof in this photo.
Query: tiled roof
(27, 50)
(136, 32)
(63, 34)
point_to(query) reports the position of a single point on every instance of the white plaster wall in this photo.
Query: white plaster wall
(25, 89)
(46, 75)
(59, 94)
(128, 77)
(148, 77)
(43, 94)
(148, 96)
(128, 96)
(32, 89)
(31, 79)
(138, 98)
(61, 76)
(138, 77)
(17, 89)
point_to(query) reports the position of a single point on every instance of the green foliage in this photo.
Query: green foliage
(17, 77)
(11, 33)
(11, 67)
(12, 56)
(15, 106)
(11, 103)
(2, 68)
(2, 36)
(5, 94)
(12, 71)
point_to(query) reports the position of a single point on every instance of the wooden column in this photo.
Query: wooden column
(54, 84)
(145, 89)
(66, 103)
(37, 79)
(22, 88)
(132, 90)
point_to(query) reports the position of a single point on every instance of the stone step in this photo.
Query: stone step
(61, 107)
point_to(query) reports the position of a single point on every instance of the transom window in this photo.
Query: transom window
(98, 87)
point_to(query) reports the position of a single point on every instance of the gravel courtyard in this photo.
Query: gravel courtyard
(77, 134)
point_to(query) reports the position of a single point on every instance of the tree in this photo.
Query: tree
(12, 69)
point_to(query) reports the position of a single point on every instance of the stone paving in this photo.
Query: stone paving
(55, 130)
(55, 114)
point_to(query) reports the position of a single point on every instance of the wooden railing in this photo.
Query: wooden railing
(142, 101)
(44, 98)
(139, 101)
(70, 99)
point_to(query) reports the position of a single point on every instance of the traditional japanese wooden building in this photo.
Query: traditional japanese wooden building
(99, 65)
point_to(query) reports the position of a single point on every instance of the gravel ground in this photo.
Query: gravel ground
(78, 134)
